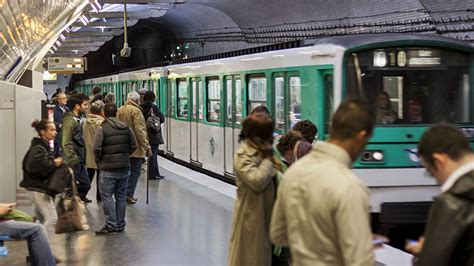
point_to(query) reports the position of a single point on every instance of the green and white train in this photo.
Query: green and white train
(428, 79)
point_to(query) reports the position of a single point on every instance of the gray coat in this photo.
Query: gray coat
(250, 241)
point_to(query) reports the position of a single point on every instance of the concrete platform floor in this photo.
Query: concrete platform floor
(185, 223)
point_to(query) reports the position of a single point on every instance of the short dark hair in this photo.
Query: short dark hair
(110, 110)
(75, 99)
(96, 90)
(352, 116)
(288, 141)
(443, 138)
(149, 96)
(307, 129)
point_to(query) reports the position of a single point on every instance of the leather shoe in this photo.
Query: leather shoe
(86, 200)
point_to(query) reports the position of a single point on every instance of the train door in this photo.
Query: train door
(169, 113)
(196, 116)
(233, 116)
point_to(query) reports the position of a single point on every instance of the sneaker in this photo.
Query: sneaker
(120, 230)
(131, 200)
(106, 231)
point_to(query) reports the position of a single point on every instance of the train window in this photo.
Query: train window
(280, 103)
(328, 100)
(295, 101)
(412, 85)
(195, 99)
(182, 99)
(229, 102)
(257, 91)
(238, 101)
(213, 100)
(201, 102)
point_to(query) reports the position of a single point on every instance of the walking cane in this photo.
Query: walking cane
(147, 182)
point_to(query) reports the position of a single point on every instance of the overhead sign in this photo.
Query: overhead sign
(67, 65)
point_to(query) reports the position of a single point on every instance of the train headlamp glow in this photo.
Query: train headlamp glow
(380, 59)
(378, 156)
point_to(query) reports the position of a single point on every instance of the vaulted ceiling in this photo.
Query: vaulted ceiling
(75, 27)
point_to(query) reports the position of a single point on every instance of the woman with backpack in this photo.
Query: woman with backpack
(154, 118)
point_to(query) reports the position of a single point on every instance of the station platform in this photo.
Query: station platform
(187, 222)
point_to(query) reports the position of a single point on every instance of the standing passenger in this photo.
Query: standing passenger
(95, 92)
(250, 242)
(93, 121)
(59, 110)
(38, 165)
(131, 114)
(449, 234)
(307, 129)
(109, 98)
(156, 138)
(322, 208)
(72, 142)
(113, 144)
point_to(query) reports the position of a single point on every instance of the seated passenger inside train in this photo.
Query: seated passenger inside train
(385, 114)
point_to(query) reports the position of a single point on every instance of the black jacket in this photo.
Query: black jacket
(154, 138)
(38, 165)
(449, 235)
(113, 144)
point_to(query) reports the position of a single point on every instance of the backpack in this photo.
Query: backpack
(153, 122)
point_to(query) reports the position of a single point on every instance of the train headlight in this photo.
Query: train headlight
(372, 156)
(380, 59)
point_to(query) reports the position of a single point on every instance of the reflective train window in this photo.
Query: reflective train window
(195, 99)
(280, 103)
(229, 101)
(213, 100)
(412, 85)
(238, 101)
(295, 101)
(182, 99)
(201, 102)
(257, 92)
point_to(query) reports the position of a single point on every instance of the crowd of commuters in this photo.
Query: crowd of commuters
(298, 202)
(316, 212)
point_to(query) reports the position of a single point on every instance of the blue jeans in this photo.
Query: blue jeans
(114, 184)
(82, 178)
(135, 170)
(35, 234)
(153, 169)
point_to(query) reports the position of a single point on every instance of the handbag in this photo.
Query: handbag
(58, 181)
(71, 211)
(153, 122)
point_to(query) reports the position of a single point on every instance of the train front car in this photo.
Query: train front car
(412, 82)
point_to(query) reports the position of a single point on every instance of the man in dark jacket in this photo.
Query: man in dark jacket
(155, 138)
(113, 144)
(72, 142)
(449, 235)
(60, 109)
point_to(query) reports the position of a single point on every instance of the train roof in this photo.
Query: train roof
(352, 41)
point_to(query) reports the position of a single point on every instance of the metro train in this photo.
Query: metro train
(427, 79)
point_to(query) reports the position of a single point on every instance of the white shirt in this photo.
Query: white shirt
(464, 169)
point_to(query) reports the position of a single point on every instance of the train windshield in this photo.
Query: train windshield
(412, 85)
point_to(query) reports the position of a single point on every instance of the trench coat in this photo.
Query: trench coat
(250, 241)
